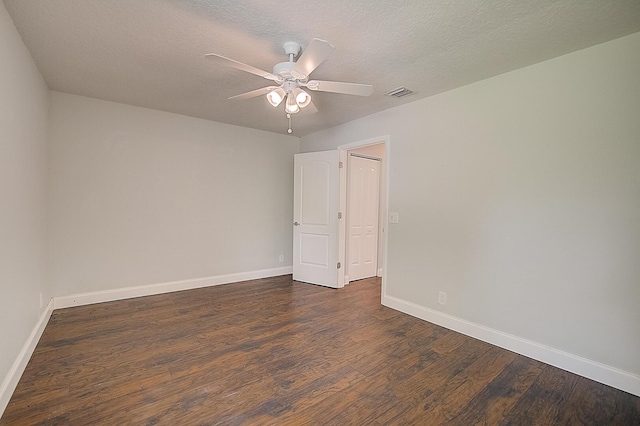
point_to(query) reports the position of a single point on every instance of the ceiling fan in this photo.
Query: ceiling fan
(291, 78)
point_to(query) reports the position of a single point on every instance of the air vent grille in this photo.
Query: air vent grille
(399, 92)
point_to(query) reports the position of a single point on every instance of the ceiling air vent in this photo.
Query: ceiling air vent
(399, 92)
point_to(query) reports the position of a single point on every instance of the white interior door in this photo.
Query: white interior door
(315, 215)
(362, 217)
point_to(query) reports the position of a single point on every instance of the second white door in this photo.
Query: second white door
(362, 217)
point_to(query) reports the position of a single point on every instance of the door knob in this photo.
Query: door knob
(295, 224)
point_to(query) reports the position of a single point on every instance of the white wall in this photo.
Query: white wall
(23, 195)
(143, 197)
(519, 196)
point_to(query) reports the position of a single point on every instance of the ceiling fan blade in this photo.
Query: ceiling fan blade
(317, 51)
(254, 93)
(241, 66)
(309, 109)
(339, 87)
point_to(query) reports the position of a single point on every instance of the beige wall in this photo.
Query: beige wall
(144, 197)
(23, 194)
(519, 196)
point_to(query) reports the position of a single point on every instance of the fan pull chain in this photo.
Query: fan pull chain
(289, 129)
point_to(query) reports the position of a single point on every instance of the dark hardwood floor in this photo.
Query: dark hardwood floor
(275, 351)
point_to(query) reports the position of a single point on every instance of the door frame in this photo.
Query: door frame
(342, 227)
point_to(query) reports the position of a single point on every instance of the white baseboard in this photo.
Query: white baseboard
(593, 370)
(168, 287)
(379, 274)
(15, 372)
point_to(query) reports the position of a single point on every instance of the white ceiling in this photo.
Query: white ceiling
(150, 53)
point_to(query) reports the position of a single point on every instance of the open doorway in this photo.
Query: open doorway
(363, 199)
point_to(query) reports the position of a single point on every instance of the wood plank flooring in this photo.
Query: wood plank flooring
(275, 351)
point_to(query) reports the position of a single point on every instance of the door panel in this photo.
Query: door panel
(315, 237)
(315, 176)
(314, 249)
(362, 217)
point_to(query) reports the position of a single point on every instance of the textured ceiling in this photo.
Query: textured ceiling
(150, 53)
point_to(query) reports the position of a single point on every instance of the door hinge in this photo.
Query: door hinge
(339, 265)
(340, 165)
(339, 215)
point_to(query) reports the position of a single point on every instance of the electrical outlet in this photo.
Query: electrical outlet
(393, 217)
(281, 258)
(442, 298)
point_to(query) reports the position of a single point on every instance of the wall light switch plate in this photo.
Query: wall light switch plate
(393, 217)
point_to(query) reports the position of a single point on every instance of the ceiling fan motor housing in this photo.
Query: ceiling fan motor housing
(283, 69)
(286, 71)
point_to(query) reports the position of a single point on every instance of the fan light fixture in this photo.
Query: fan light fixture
(276, 96)
(302, 98)
(296, 99)
(291, 106)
